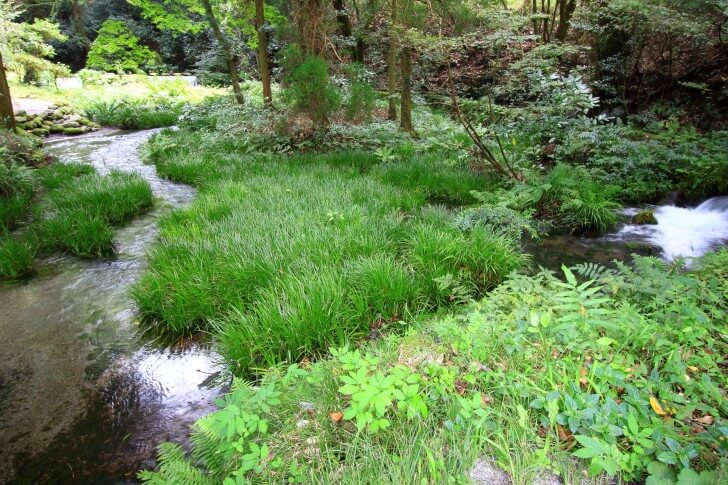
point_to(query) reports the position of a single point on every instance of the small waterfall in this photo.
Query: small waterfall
(683, 231)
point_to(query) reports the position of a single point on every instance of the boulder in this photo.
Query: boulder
(644, 217)
(73, 131)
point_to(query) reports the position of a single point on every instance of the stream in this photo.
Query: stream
(84, 397)
(685, 232)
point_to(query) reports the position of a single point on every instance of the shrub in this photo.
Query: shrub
(117, 49)
(361, 97)
(310, 91)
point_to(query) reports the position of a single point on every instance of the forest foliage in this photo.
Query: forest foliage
(366, 187)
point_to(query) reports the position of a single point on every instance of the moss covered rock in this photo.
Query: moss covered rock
(644, 217)
(73, 131)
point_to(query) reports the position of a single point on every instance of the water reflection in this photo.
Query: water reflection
(83, 398)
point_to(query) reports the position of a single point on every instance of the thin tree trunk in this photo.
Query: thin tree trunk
(359, 50)
(342, 18)
(263, 52)
(565, 13)
(7, 118)
(225, 49)
(405, 122)
(392, 65)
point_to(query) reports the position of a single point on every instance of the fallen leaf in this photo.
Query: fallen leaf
(656, 406)
(460, 387)
(706, 420)
(336, 417)
(564, 434)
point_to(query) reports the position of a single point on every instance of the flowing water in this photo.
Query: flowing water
(685, 232)
(84, 397)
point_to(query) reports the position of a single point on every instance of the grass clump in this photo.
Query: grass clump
(16, 192)
(78, 216)
(16, 258)
(452, 263)
(55, 175)
(75, 211)
(283, 257)
(602, 378)
(644, 217)
(135, 114)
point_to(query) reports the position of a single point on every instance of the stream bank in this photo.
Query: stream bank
(84, 397)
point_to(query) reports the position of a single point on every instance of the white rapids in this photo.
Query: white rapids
(683, 231)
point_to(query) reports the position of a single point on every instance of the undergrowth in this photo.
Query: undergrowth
(620, 368)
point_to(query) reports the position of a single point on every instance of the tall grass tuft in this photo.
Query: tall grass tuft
(474, 261)
(77, 217)
(16, 258)
(134, 114)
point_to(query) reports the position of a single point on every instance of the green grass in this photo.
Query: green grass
(282, 257)
(16, 258)
(53, 176)
(546, 374)
(77, 216)
(16, 191)
(74, 212)
(137, 115)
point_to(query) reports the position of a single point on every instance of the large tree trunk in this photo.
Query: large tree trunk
(7, 118)
(405, 122)
(309, 19)
(263, 52)
(225, 49)
(392, 65)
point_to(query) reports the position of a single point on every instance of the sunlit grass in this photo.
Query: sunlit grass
(281, 257)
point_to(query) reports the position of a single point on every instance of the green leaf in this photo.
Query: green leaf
(667, 457)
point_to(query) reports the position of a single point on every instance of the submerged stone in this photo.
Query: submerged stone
(644, 217)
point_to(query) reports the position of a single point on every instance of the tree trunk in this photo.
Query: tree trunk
(263, 52)
(225, 49)
(7, 118)
(342, 18)
(392, 65)
(566, 10)
(359, 50)
(309, 18)
(405, 122)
